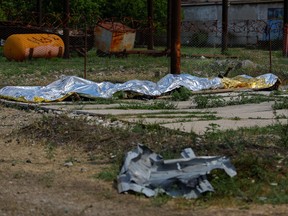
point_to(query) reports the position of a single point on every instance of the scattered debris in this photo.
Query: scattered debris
(146, 172)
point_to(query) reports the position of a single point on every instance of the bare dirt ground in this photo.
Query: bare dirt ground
(34, 184)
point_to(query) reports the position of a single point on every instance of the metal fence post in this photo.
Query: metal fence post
(39, 12)
(66, 12)
(175, 37)
(285, 29)
(169, 8)
(150, 8)
(224, 25)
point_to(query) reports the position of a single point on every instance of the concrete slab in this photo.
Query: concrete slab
(184, 117)
(200, 127)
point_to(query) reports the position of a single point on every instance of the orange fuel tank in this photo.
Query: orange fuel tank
(19, 47)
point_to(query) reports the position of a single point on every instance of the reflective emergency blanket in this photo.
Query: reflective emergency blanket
(148, 173)
(69, 85)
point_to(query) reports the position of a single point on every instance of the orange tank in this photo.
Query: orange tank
(19, 47)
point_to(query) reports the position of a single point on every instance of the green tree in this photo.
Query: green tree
(15, 9)
(136, 10)
(84, 11)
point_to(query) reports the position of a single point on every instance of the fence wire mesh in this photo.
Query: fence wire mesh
(199, 41)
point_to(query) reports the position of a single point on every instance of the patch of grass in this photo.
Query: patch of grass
(50, 149)
(47, 179)
(283, 104)
(181, 116)
(102, 141)
(44, 71)
(236, 118)
(210, 101)
(156, 105)
(160, 200)
(258, 154)
(141, 128)
(108, 174)
(264, 141)
(252, 183)
(282, 130)
(119, 95)
(102, 100)
(260, 161)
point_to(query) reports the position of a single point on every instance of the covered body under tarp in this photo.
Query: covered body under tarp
(70, 85)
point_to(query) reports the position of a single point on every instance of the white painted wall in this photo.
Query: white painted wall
(236, 14)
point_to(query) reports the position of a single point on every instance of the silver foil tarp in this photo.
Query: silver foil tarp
(68, 85)
(146, 172)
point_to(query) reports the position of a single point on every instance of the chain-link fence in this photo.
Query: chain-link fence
(121, 38)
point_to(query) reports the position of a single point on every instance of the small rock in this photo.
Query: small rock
(28, 161)
(83, 170)
(100, 121)
(68, 164)
(248, 63)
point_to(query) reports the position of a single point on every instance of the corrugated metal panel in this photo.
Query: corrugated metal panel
(116, 27)
(114, 37)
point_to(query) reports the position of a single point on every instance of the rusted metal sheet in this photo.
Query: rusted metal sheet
(114, 37)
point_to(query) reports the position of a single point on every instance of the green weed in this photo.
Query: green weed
(50, 149)
(160, 200)
(210, 101)
(48, 178)
(181, 94)
(108, 174)
(141, 128)
(283, 104)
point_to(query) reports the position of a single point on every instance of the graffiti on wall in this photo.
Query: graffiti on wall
(274, 27)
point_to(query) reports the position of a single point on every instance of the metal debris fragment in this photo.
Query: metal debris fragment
(146, 172)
